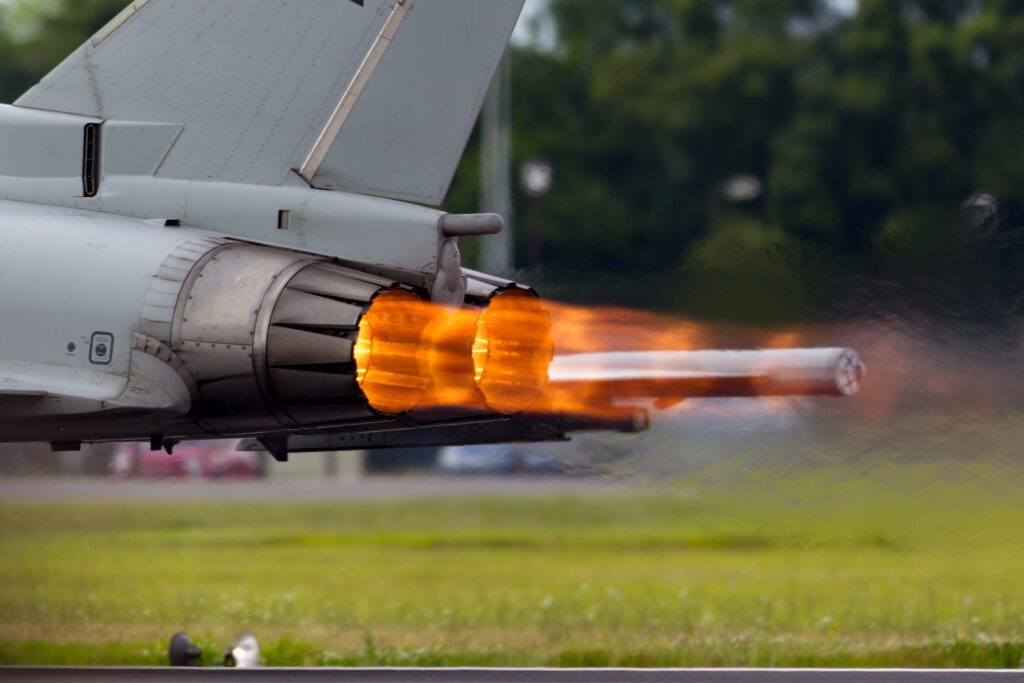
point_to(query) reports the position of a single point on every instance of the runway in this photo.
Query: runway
(404, 675)
(65, 489)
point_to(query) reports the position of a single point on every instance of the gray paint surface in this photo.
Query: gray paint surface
(252, 84)
(248, 79)
(406, 134)
(66, 274)
(40, 145)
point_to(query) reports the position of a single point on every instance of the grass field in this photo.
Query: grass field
(902, 566)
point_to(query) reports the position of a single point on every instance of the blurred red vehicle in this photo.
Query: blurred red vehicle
(196, 459)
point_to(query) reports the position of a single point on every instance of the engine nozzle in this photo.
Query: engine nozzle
(390, 356)
(512, 351)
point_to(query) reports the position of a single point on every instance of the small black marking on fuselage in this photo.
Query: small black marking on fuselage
(101, 348)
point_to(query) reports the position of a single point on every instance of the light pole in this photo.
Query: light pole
(536, 176)
(496, 255)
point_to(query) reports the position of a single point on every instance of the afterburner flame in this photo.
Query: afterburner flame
(512, 351)
(450, 355)
(412, 354)
(586, 329)
(390, 357)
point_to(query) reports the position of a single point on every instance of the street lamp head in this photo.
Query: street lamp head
(536, 176)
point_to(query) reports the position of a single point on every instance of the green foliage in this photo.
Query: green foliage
(887, 565)
(745, 271)
(36, 35)
(868, 132)
(920, 239)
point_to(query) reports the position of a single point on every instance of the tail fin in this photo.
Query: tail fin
(375, 97)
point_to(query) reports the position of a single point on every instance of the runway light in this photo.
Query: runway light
(391, 360)
(184, 652)
(243, 652)
(512, 351)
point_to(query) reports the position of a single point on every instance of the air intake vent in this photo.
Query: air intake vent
(91, 160)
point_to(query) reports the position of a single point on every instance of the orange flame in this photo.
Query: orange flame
(411, 353)
(511, 351)
(391, 366)
(579, 329)
(415, 354)
(449, 345)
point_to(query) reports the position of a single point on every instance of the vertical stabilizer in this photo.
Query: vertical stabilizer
(376, 97)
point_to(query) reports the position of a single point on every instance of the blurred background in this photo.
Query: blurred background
(744, 172)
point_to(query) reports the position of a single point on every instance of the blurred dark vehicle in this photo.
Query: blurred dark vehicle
(513, 458)
(400, 460)
(198, 460)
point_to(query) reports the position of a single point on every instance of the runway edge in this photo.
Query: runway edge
(437, 675)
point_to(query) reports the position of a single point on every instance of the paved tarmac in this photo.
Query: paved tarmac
(287, 489)
(157, 675)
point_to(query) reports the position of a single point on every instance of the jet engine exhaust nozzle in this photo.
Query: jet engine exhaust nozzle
(390, 357)
(512, 351)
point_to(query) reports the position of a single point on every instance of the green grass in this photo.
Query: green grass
(902, 566)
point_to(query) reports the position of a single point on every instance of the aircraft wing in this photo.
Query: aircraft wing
(375, 97)
(669, 376)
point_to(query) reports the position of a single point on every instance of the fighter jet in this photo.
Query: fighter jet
(217, 219)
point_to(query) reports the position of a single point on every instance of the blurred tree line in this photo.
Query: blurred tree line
(747, 159)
